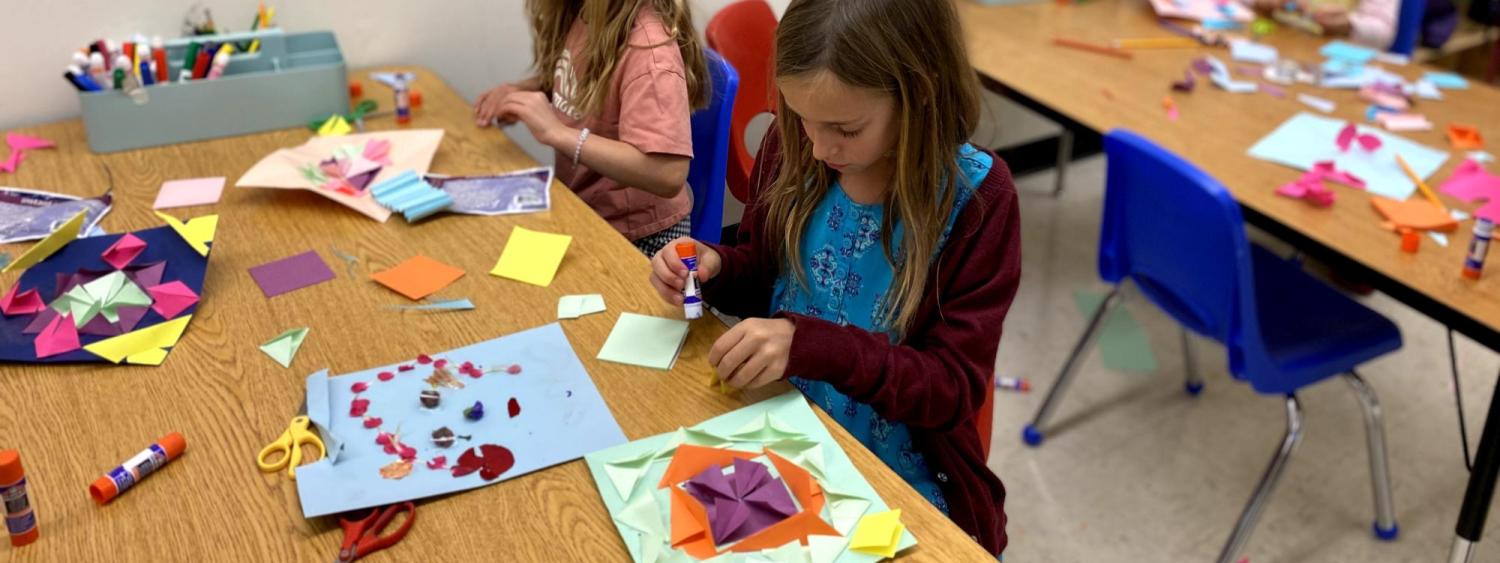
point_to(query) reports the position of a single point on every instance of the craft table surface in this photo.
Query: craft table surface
(1012, 45)
(72, 423)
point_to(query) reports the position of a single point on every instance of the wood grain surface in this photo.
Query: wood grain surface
(1013, 45)
(71, 423)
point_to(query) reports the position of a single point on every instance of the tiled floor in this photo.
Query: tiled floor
(1135, 470)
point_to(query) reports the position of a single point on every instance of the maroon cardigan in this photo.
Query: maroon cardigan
(937, 377)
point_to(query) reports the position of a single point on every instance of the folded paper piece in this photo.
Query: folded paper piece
(1251, 52)
(291, 273)
(531, 256)
(1202, 10)
(1463, 137)
(1424, 89)
(59, 337)
(187, 193)
(1320, 104)
(410, 196)
(19, 144)
(1417, 214)
(574, 306)
(1387, 95)
(737, 497)
(1307, 139)
(1347, 52)
(1446, 80)
(145, 346)
(45, 247)
(1310, 186)
(77, 278)
(284, 347)
(1403, 122)
(418, 277)
(334, 127)
(1471, 183)
(123, 251)
(198, 232)
(24, 303)
(171, 299)
(396, 151)
(447, 305)
(562, 418)
(878, 533)
(645, 341)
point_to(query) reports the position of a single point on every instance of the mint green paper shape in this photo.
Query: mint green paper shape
(625, 473)
(574, 306)
(766, 429)
(692, 437)
(806, 454)
(103, 296)
(826, 549)
(645, 341)
(644, 514)
(845, 509)
(284, 347)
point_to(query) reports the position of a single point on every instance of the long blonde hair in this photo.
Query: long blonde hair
(610, 22)
(913, 51)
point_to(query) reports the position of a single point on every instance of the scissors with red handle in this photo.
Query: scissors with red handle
(367, 535)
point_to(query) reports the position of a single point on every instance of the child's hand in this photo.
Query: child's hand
(487, 106)
(753, 353)
(535, 110)
(669, 275)
(1335, 21)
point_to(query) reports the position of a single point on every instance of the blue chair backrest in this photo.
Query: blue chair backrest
(711, 149)
(1408, 26)
(1178, 234)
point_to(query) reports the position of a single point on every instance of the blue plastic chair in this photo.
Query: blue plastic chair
(1178, 235)
(711, 150)
(1408, 26)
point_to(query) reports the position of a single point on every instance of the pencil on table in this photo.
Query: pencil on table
(1101, 49)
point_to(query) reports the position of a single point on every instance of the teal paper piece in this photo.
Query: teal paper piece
(461, 304)
(1347, 52)
(410, 196)
(1446, 80)
(1123, 346)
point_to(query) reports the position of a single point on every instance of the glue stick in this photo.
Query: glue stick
(692, 301)
(119, 479)
(403, 103)
(1474, 262)
(20, 518)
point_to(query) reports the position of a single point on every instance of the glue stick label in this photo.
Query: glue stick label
(138, 467)
(19, 517)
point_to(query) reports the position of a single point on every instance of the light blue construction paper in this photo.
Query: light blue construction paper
(461, 304)
(1349, 52)
(792, 411)
(562, 418)
(1252, 52)
(319, 411)
(1446, 80)
(1306, 139)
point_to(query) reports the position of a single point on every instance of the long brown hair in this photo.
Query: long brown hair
(610, 22)
(912, 50)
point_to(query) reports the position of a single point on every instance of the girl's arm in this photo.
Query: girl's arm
(748, 269)
(1373, 22)
(662, 175)
(941, 373)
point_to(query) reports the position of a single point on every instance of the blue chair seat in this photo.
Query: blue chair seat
(1311, 331)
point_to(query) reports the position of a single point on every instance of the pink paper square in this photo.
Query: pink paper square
(187, 193)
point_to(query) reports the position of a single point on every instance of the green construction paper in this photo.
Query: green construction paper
(767, 429)
(826, 549)
(625, 473)
(790, 552)
(805, 453)
(1123, 346)
(284, 347)
(785, 413)
(845, 509)
(103, 296)
(693, 437)
(574, 306)
(640, 340)
(644, 514)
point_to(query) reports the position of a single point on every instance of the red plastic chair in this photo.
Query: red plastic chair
(744, 33)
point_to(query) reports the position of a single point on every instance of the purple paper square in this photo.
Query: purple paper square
(291, 274)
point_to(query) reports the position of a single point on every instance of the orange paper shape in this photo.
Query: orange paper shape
(1415, 214)
(690, 531)
(691, 460)
(1463, 136)
(418, 277)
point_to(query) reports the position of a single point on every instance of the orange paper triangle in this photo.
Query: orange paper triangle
(1415, 214)
(691, 460)
(690, 526)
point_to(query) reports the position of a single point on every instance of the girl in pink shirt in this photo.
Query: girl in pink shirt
(614, 89)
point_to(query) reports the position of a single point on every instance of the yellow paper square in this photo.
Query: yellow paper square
(531, 256)
(878, 534)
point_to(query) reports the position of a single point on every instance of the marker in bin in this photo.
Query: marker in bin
(122, 478)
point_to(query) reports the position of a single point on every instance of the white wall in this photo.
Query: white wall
(473, 44)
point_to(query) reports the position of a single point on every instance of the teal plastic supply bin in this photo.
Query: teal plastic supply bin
(294, 78)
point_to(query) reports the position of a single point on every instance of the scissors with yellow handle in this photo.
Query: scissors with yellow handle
(289, 445)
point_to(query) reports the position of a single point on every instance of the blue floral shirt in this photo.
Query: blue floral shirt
(847, 278)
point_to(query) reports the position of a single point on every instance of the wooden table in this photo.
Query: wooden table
(71, 423)
(1011, 47)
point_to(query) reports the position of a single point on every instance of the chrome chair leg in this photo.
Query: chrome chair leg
(1064, 157)
(1268, 481)
(1032, 433)
(1194, 384)
(1380, 474)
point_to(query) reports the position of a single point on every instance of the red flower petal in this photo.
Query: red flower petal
(390, 449)
(383, 438)
(466, 366)
(408, 452)
(440, 364)
(513, 407)
(405, 367)
(424, 359)
(386, 376)
(514, 369)
(358, 407)
(373, 422)
(437, 463)
(467, 463)
(359, 387)
(497, 460)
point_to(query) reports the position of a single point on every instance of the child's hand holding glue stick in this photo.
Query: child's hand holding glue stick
(669, 273)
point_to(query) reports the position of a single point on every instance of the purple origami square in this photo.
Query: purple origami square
(742, 503)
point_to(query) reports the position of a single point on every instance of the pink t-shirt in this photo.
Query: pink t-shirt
(647, 106)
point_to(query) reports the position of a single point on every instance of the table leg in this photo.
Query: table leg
(1481, 488)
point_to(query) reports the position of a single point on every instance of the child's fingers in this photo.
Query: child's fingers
(722, 346)
(734, 360)
(750, 372)
(661, 270)
(671, 296)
